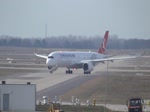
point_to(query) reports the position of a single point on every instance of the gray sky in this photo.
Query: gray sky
(27, 18)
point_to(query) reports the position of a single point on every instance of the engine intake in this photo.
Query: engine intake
(88, 67)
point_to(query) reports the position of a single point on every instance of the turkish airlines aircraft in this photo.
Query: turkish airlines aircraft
(76, 59)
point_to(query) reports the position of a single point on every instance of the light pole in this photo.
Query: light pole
(45, 30)
(106, 87)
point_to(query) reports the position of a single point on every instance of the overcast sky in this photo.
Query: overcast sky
(27, 18)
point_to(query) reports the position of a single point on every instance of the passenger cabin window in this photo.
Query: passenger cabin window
(51, 57)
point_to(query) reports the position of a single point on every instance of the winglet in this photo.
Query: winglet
(143, 53)
(104, 43)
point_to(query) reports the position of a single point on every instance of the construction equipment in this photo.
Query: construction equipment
(135, 104)
(55, 108)
(94, 101)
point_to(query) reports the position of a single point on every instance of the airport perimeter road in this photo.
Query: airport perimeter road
(113, 107)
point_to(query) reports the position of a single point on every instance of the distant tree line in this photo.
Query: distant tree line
(75, 42)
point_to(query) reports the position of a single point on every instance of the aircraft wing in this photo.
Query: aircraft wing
(108, 59)
(41, 56)
(111, 59)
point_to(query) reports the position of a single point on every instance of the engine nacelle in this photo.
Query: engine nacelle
(88, 67)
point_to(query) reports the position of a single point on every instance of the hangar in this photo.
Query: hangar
(17, 97)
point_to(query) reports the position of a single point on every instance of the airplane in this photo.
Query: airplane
(80, 60)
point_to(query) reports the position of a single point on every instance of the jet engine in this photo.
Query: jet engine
(88, 67)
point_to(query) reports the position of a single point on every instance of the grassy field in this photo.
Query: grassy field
(126, 79)
(121, 86)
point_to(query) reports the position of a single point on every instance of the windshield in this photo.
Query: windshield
(50, 57)
(135, 102)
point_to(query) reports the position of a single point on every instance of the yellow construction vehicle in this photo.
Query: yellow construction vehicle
(55, 108)
(94, 101)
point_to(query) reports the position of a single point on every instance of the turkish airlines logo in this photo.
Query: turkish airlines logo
(103, 45)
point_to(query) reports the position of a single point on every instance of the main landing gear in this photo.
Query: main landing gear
(69, 71)
(50, 72)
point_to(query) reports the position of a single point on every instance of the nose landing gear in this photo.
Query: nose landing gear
(52, 69)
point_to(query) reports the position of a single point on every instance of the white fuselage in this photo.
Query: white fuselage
(69, 58)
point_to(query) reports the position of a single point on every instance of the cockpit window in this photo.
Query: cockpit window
(50, 57)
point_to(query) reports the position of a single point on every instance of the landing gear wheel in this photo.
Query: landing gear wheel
(50, 72)
(66, 71)
(69, 72)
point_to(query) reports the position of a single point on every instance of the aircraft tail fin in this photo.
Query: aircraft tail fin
(104, 44)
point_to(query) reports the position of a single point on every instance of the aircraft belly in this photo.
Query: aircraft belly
(77, 66)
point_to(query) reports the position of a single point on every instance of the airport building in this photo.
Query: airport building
(17, 97)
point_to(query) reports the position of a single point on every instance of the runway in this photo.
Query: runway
(44, 80)
(48, 84)
(41, 79)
